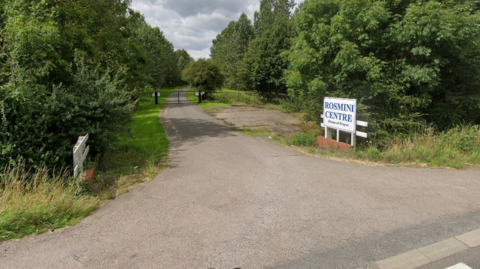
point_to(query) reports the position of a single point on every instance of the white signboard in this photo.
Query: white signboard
(158, 94)
(197, 93)
(340, 114)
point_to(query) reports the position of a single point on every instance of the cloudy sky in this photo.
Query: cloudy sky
(193, 24)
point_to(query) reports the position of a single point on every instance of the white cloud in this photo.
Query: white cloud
(193, 24)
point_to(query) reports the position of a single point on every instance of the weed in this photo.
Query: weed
(303, 140)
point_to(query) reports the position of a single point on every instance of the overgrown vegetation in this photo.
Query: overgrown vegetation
(68, 68)
(408, 63)
(74, 67)
(412, 65)
(142, 143)
(303, 140)
(457, 147)
(34, 201)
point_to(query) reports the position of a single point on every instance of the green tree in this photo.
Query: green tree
(73, 67)
(230, 46)
(204, 75)
(406, 62)
(263, 66)
(184, 59)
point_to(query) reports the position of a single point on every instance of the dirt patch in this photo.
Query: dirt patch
(258, 118)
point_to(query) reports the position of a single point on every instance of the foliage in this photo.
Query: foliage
(456, 147)
(204, 75)
(183, 59)
(68, 68)
(32, 202)
(303, 140)
(263, 66)
(41, 127)
(230, 46)
(142, 142)
(406, 62)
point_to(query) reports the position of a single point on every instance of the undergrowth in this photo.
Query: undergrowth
(32, 202)
(457, 147)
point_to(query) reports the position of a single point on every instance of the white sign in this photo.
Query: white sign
(158, 94)
(340, 114)
(197, 93)
(79, 155)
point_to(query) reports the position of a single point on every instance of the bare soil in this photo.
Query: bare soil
(278, 123)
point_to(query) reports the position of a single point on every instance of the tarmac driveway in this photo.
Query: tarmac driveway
(226, 200)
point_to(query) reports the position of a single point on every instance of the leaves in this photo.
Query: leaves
(406, 62)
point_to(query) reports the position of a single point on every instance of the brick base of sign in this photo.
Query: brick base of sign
(89, 175)
(326, 142)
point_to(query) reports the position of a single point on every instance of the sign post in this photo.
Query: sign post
(341, 114)
(156, 95)
(80, 151)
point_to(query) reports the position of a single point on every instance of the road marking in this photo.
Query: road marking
(459, 266)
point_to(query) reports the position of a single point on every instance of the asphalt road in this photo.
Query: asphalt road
(226, 200)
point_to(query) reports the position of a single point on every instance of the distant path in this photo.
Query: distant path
(226, 200)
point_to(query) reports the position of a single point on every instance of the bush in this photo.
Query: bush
(303, 140)
(41, 127)
(408, 63)
(290, 106)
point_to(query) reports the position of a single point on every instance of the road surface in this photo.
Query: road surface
(226, 200)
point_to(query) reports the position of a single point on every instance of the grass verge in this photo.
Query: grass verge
(32, 203)
(457, 148)
(141, 147)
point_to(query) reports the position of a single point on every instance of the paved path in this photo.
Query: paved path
(231, 201)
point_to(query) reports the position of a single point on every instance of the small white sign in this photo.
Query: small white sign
(158, 94)
(339, 113)
(197, 93)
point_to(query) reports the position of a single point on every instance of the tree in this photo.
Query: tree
(230, 46)
(73, 67)
(183, 59)
(204, 75)
(263, 66)
(406, 62)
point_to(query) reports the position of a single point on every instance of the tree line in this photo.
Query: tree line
(73, 67)
(409, 63)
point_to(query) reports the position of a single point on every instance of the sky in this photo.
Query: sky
(193, 24)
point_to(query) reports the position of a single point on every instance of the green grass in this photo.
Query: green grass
(146, 143)
(252, 132)
(233, 97)
(457, 148)
(32, 203)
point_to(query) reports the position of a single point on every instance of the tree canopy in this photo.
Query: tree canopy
(73, 67)
(204, 75)
(406, 62)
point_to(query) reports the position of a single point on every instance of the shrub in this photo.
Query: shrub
(41, 127)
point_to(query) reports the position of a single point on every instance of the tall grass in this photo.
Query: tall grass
(33, 201)
(238, 98)
(456, 147)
